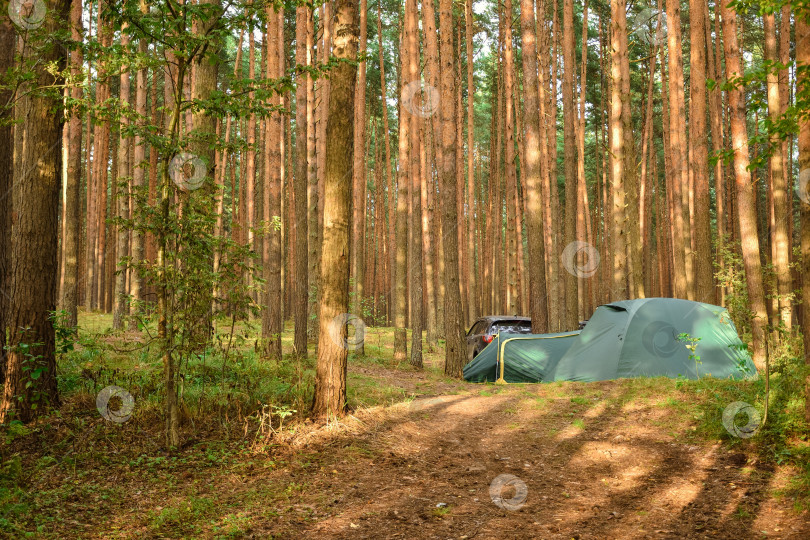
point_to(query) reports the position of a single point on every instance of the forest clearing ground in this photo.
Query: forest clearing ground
(415, 459)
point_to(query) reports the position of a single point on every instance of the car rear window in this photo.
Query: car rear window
(512, 327)
(478, 328)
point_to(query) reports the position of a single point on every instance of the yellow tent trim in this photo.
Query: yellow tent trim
(501, 380)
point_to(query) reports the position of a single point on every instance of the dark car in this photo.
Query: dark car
(483, 331)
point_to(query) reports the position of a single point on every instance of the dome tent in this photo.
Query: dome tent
(642, 338)
(527, 357)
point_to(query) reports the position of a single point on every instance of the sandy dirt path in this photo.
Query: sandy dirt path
(593, 466)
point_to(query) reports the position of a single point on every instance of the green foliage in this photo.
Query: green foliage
(691, 344)
(730, 274)
(784, 438)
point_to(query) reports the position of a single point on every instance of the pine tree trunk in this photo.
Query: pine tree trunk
(121, 303)
(584, 285)
(679, 179)
(548, 175)
(461, 228)
(536, 268)
(455, 350)
(428, 239)
(271, 195)
(511, 175)
(7, 51)
(330, 376)
(715, 118)
(389, 178)
(745, 191)
(403, 181)
(359, 179)
(803, 59)
(618, 23)
(139, 168)
(781, 238)
(72, 226)
(34, 238)
(300, 273)
(312, 184)
(326, 26)
(699, 161)
(249, 220)
(415, 193)
(570, 150)
(471, 278)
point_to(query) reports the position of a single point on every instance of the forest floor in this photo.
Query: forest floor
(418, 459)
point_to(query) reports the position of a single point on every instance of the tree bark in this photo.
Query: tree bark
(300, 273)
(415, 225)
(271, 194)
(715, 116)
(29, 387)
(570, 152)
(139, 165)
(699, 162)
(403, 180)
(330, 376)
(249, 220)
(781, 239)
(7, 51)
(679, 180)
(455, 351)
(803, 60)
(121, 303)
(745, 191)
(618, 23)
(72, 226)
(472, 282)
(389, 177)
(359, 176)
(511, 175)
(312, 180)
(536, 269)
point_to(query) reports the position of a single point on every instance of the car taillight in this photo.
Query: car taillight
(487, 338)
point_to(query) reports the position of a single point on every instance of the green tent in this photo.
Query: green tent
(526, 357)
(641, 338)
